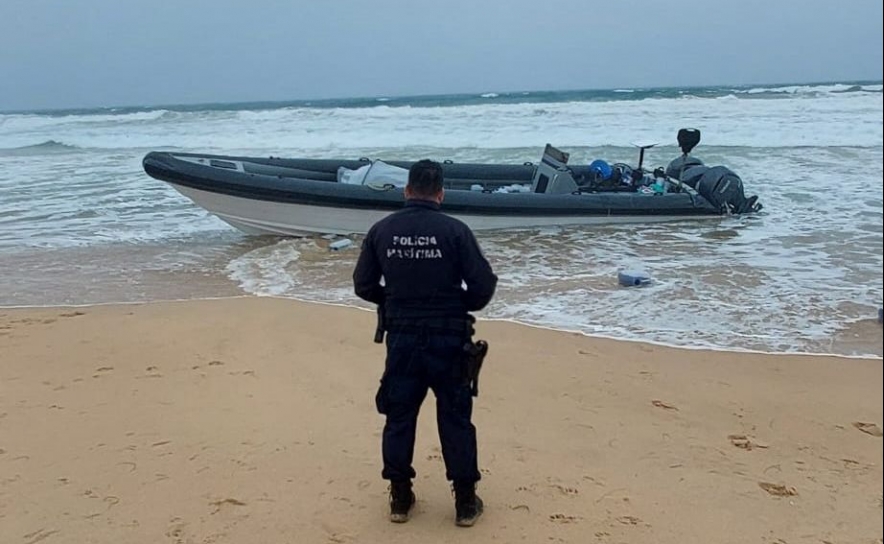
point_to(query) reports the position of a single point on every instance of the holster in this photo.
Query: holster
(381, 327)
(474, 355)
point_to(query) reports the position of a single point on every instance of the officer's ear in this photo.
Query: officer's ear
(441, 195)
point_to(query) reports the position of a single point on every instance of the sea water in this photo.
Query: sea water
(81, 223)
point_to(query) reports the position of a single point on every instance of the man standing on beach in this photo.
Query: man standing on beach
(425, 257)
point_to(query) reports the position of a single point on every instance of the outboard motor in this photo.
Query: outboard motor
(680, 165)
(718, 184)
(724, 189)
(691, 175)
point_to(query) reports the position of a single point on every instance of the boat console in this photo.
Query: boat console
(552, 175)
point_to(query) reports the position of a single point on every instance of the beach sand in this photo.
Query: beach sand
(251, 420)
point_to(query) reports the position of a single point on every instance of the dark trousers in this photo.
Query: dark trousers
(418, 361)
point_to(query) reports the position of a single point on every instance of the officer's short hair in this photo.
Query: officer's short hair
(425, 178)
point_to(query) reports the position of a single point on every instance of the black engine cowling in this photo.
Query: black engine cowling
(718, 184)
(680, 164)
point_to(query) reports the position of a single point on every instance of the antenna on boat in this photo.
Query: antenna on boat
(641, 152)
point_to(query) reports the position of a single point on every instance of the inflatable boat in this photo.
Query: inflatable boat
(298, 197)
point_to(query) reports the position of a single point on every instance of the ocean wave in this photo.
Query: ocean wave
(30, 120)
(835, 88)
(45, 147)
(837, 118)
(32, 126)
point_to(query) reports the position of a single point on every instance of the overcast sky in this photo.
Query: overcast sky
(86, 53)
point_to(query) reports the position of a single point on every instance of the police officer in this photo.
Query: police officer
(425, 257)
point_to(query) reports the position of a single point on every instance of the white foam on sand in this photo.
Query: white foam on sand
(713, 287)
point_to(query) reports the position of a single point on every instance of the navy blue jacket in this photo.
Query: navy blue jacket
(424, 257)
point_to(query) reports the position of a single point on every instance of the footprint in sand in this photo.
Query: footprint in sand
(216, 363)
(72, 314)
(868, 428)
(569, 491)
(37, 536)
(151, 372)
(218, 505)
(778, 490)
(744, 442)
(177, 531)
(341, 538)
(564, 518)
(664, 405)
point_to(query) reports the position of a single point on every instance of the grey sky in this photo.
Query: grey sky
(85, 53)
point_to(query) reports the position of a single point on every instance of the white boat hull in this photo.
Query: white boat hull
(264, 217)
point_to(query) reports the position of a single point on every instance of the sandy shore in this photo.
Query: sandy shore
(252, 421)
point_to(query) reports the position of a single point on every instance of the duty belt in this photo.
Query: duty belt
(441, 325)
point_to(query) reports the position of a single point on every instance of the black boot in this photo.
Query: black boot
(467, 505)
(401, 500)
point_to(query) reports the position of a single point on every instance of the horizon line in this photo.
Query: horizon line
(198, 104)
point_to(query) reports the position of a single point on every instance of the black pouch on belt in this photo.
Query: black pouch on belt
(474, 355)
